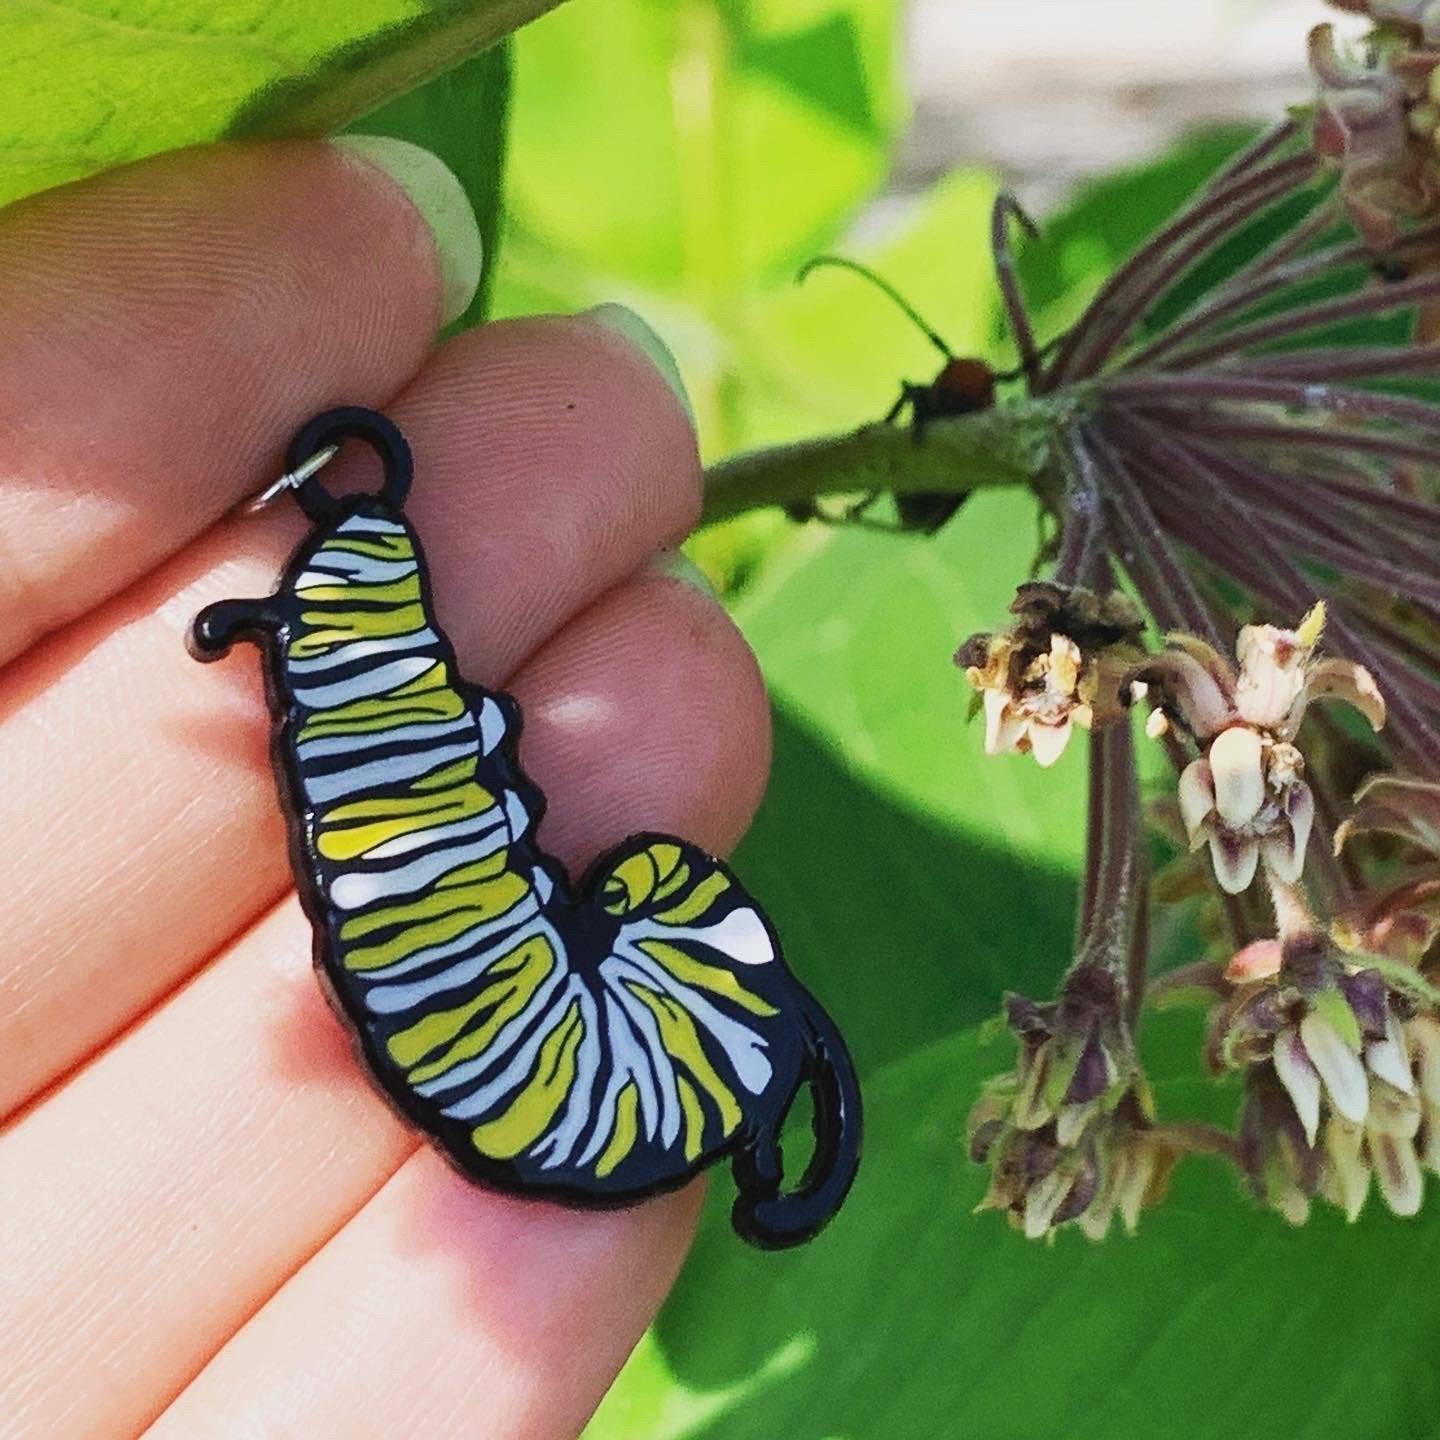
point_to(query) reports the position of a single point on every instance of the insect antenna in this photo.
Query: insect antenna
(839, 262)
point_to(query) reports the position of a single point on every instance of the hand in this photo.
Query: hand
(208, 1218)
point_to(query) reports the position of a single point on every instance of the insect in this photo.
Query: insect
(597, 1042)
(962, 387)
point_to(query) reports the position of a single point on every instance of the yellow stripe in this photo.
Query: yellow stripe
(480, 870)
(432, 679)
(622, 1138)
(706, 977)
(440, 902)
(347, 842)
(511, 983)
(454, 774)
(694, 1117)
(457, 801)
(682, 1042)
(360, 592)
(698, 902)
(365, 717)
(668, 869)
(327, 629)
(500, 896)
(545, 1091)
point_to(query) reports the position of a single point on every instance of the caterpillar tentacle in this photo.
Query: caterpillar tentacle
(598, 1042)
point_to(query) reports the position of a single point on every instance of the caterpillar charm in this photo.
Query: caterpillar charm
(596, 1043)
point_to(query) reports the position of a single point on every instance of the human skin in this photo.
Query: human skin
(210, 1223)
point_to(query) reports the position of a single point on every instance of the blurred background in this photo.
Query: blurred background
(1049, 92)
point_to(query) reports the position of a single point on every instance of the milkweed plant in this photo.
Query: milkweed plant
(1236, 465)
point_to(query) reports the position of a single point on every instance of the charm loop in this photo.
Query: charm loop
(325, 432)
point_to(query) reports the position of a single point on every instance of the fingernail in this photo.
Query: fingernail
(624, 321)
(677, 565)
(440, 198)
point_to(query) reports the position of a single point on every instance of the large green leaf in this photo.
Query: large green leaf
(911, 1317)
(462, 116)
(93, 83)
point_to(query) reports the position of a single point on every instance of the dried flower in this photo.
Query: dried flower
(1418, 15)
(1076, 1059)
(1342, 1069)
(1375, 115)
(1057, 667)
(1399, 920)
(1123, 1165)
(1245, 795)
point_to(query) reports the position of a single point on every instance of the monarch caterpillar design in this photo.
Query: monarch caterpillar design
(597, 1042)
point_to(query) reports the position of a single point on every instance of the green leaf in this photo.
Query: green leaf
(90, 84)
(735, 138)
(738, 140)
(461, 116)
(907, 926)
(912, 1317)
(870, 668)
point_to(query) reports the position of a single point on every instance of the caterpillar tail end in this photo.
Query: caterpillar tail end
(775, 1219)
(218, 626)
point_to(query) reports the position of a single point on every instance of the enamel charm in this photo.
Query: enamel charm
(594, 1043)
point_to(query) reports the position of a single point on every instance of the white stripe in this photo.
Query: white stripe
(377, 739)
(357, 889)
(361, 649)
(391, 999)
(554, 1149)
(471, 1070)
(492, 725)
(662, 1063)
(367, 683)
(516, 815)
(741, 936)
(743, 1046)
(379, 773)
(514, 1075)
(604, 1115)
(641, 1071)
(371, 523)
(434, 835)
(341, 567)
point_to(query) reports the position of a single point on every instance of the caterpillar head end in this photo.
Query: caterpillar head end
(217, 627)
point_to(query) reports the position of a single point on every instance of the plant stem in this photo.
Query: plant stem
(1114, 888)
(1009, 446)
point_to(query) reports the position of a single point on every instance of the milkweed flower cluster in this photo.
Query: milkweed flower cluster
(1058, 667)
(1234, 452)
(1245, 794)
(1273, 513)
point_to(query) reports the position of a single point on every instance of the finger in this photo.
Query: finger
(552, 459)
(482, 1318)
(188, 1170)
(170, 324)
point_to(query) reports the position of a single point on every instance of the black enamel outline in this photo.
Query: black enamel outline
(807, 1047)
